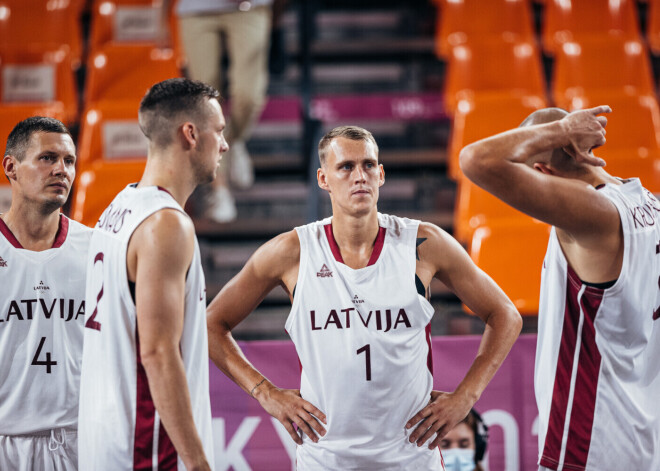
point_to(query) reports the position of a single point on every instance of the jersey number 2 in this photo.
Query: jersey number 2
(92, 323)
(47, 363)
(367, 358)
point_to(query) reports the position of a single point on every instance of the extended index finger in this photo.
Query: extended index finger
(601, 109)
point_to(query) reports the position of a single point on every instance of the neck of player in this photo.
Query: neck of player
(355, 237)
(34, 230)
(166, 171)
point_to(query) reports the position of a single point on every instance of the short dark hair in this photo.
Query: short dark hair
(169, 99)
(354, 133)
(559, 158)
(19, 137)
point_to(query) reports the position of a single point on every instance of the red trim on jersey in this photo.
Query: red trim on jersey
(586, 383)
(145, 417)
(5, 231)
(145, 414)
(429, 358)
(60, 235)
(378, 246)
(334, 247)
(165, 190)
(333, 243)
(62, 231)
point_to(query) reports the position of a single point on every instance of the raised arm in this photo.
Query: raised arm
(275, 263)
(159, 255)
(504, 166)
(442, 257)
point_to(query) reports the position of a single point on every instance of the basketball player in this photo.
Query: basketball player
(42, 301)
(145, 385)
(597, 374)
(361, 323)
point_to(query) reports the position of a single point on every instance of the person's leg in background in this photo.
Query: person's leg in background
(248, 41)
(201, 38)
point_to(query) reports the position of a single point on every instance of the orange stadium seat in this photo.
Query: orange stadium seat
(512, 254)
(474, 120)
(11, 114)
(493, 68)
(598, 67)
(577, 20)
(633, 138)
(126, 72)
(460, 21)
(97, 186)
(38, 77)
(476, 207)
(110, 132)
(42, 25)
(133, 22)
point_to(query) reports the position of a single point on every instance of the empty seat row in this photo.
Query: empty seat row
(463, 21)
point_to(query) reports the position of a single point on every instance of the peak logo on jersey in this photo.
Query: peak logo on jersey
(3, 263)
(382, 319)
(41, 287)
(324, 273)
(356, 300)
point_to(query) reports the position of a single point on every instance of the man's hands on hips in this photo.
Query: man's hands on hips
(288, 406)
(443, 412)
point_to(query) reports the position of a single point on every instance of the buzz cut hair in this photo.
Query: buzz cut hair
(167, 102)
(354, 133)
(19, 137)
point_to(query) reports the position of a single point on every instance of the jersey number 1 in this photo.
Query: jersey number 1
(367, 358)
(48, 363)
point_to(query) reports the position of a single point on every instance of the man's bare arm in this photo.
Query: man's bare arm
(497, 164)
(276, 262)
(159, 255)
(441, 256)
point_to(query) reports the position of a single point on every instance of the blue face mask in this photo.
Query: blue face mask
(459, 459)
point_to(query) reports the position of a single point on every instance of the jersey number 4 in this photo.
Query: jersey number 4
(92, 323)
(47, 363)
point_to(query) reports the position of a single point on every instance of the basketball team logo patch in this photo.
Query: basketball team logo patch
(3, 263)
(324, 273)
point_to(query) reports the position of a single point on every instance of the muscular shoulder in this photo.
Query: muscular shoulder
(166, 236)
(436, 249)
(278, 255)
(430, 239)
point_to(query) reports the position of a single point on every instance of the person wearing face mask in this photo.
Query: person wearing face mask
(464, 446)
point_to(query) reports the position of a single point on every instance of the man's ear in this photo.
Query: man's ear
(190, 135)
(9, 166)
(321, 179)
(543, 168)
(381, 180)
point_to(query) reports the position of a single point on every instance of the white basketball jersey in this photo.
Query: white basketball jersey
(119, 426)
(597, 376)
(42, 310)
(363, 339)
